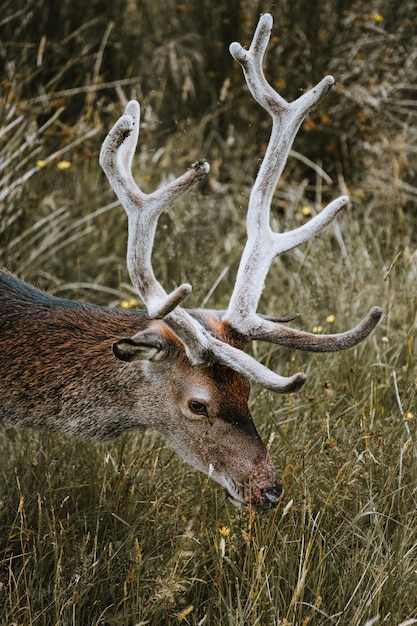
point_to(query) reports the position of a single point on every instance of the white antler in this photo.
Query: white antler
(241, 323)
(263, 245)
(143, 211)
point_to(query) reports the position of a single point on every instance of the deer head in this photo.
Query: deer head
(212, 343)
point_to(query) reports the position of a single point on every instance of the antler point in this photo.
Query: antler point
(376, 312)
(237, 51)
(298, 381)
(132, 108)
(266, 19)
(203, 166)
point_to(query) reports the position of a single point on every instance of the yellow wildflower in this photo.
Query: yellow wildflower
(63, 165)
(129, 304)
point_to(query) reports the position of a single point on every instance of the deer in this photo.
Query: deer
(95, 372)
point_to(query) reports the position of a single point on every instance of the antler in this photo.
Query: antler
(263, 245)
(143, 211)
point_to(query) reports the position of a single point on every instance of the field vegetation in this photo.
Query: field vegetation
(125, 532)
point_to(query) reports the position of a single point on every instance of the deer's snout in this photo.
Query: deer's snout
(266, 488)
(262, 488)
(266, 498)
(271, 496)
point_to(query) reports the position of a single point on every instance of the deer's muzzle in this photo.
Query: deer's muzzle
(266, 499)
(271, 496)
(263, 488)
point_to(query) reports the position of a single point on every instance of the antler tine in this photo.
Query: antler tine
(263, 245)
(284, 336)
(255, 371)
(143, 210)
(286, 118)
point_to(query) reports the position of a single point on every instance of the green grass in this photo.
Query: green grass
(125, 532)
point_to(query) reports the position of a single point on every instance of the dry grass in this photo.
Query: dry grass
(125, 533)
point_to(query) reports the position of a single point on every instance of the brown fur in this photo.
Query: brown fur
(58, 372)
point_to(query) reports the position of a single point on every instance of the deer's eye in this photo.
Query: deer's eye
(198, 408)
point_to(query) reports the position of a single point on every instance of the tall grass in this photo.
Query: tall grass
(124, 532)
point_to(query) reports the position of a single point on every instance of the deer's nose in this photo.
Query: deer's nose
(271, 496)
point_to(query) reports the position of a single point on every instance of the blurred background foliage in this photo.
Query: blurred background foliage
(68, 70)
(176, 62)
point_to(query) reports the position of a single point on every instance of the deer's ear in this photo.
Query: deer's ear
(143, 346)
